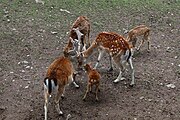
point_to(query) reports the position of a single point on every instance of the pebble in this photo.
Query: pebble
(27, 66)
(25, 61)
(53, 32)
(142, 97)
(171, 86)
(161, 84)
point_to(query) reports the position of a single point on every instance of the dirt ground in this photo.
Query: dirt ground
(29, 45)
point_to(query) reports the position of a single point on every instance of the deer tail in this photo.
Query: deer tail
(50, 84)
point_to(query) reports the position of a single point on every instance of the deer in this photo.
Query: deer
(132, 38)
(118, 48)
(139, 31)
(58, 76)
(93, 80)
(78, 32)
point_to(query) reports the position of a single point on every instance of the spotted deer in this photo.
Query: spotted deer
(79, 31)
(118, 48)
(58, 75)
(132, 38)
(139, 31)
(93, 80)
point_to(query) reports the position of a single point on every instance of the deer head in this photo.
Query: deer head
(79, 36)
(71, 48)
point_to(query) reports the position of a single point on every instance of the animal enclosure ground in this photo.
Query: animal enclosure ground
(32, 35)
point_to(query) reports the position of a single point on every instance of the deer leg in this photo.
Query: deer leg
(73, 80)
(62, 96)
(46, 96)
(89, 44)
(134, 42)
(140, 44)
(88, 87)
(111, 65)
(59, 93)
(132, 72)
(101, 52)
(97, 89)
(119, 78)
(119, 64)
(148, 45)
(146, 37)
(83, 40)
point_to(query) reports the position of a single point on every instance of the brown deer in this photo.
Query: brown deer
(116, 46)
(79, 31)
(93, 79)
(59, 74)
(138, 31)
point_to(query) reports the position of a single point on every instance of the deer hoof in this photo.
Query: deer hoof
(131, 85)
(77, 86)
(60, 113)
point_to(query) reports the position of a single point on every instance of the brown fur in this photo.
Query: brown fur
(138, 31)
(111, 42)
(60, 67)
(115, 45)
(60, 71)
(84, 26)
(93, 79)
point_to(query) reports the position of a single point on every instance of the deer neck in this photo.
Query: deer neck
(90, 50)
(88, 70)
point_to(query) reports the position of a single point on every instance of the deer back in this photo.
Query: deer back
(60, 69)
(82, 23)
(137, 31)
(112, 42)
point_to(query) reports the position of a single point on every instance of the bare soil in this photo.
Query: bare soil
(28, 47)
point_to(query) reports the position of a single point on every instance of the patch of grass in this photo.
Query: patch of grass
(105, 15)
(51, 11)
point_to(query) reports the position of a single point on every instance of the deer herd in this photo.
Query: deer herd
(79, 48)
